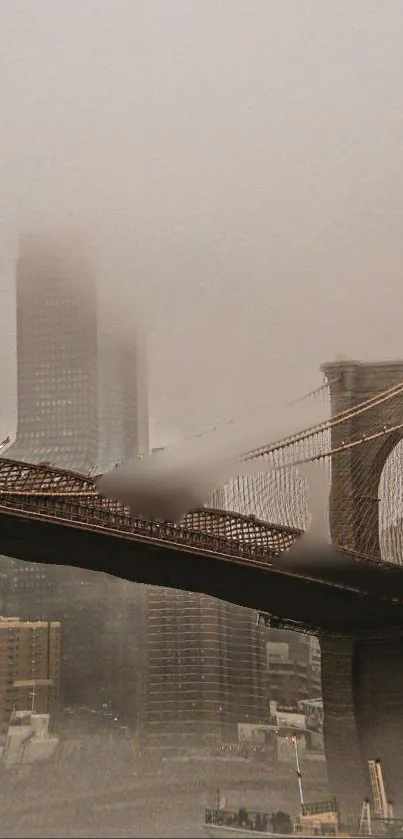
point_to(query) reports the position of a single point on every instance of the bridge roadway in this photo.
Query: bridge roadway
(54, 516)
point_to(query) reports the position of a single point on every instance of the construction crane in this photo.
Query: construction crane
(382, 807)
(365, 820)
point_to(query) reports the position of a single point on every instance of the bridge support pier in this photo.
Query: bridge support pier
(342, 743)
(362, 683)
(362, 679)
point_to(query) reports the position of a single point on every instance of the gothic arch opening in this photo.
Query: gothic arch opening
(390, 495)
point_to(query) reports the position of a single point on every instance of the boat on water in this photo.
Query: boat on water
(321, 818)
(226, 822)
(318, 819)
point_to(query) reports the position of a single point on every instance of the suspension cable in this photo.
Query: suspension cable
(338, 419)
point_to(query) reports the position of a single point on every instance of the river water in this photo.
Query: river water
(97, 791)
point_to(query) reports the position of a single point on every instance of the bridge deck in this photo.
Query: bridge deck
(42, 510)
(74, 497)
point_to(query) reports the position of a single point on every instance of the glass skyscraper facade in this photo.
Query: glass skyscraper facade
(81, 379)
(57, 377)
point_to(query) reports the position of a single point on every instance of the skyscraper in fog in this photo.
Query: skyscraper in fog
(82, 405)
(123, 387)
(57, 379)
(82, 399)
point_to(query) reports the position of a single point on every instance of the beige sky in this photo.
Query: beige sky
(243, 162)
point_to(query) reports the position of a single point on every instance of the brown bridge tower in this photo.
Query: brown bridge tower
(362, 680)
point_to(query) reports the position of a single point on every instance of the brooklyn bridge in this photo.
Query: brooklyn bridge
(351, 595)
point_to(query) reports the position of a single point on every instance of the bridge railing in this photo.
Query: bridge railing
(97, 513)
(43, 491)
(39, 491)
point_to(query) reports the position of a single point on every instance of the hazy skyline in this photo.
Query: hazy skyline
(243, 164)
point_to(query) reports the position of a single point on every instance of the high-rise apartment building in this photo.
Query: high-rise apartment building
(205, 670)
(78, 599)
(29, 667)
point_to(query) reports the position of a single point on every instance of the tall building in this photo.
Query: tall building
(82, 405)
(205, 670)
(29, 667)
(78, 599)
(57, 381)
(123, 386)
(81, 375)
(100, 620)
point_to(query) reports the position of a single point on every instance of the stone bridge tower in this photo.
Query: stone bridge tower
(356, 473)
(362, 680)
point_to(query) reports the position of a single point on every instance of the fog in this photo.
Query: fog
(168, 484)
(239, 167)
(241, 164)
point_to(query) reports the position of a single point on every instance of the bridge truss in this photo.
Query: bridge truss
(70, 497)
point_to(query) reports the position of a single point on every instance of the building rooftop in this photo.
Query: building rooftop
(17, 622)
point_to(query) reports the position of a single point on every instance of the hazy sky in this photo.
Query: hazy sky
(244, 163)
